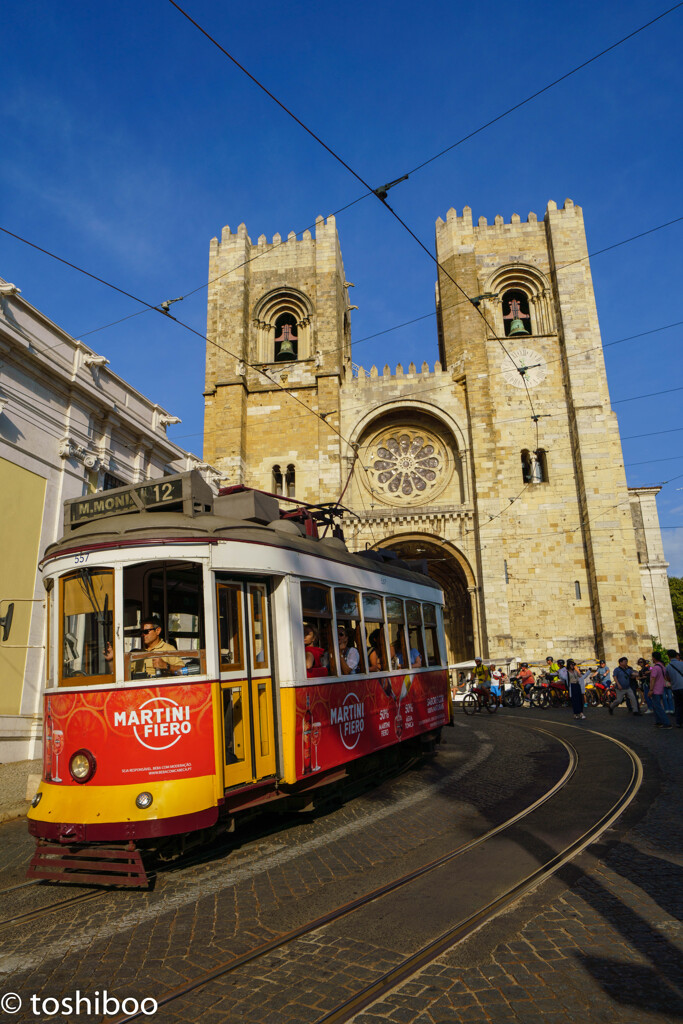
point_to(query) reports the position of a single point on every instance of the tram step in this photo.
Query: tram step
(89, 865)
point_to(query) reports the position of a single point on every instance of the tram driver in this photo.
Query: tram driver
(153, 643)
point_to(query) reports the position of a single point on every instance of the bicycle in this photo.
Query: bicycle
(477, 699)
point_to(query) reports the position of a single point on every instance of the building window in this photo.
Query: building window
(577, 590)
(534, 467)
(290, 481)
(110, 482)
(276, 485)
(516, 315)
(286, 338)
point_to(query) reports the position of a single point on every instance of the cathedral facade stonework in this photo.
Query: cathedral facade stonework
(499, 466)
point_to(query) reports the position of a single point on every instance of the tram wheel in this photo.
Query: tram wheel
(469, 704)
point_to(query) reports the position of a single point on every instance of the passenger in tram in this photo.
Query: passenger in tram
(415, 658)
(395, 653)
(374, 656)
(153, 642)
(314, 653)
(349, 656)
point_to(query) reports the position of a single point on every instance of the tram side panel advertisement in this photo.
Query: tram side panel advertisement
(162, 732)
(342, 721)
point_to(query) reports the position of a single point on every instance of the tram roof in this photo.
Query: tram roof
(144, 526)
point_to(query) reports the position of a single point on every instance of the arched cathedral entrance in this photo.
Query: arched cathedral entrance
(445, 568)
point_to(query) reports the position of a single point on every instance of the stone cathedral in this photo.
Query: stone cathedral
(499, 465)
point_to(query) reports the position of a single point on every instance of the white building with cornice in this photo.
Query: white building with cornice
(68, 426)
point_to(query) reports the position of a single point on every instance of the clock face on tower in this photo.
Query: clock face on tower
(533, 364)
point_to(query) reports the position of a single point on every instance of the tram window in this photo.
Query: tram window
(233, 724)
(87, 599)
(348, 618)
(259, 636)
(375, 641)
(417, 651)
(229, 600)
(431, 637)
(317, 609)
(397, 634)
(172, 593)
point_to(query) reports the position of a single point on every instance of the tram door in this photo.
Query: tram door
(246, 681)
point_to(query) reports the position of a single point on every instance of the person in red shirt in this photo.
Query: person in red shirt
(314, 652)
(526, 677)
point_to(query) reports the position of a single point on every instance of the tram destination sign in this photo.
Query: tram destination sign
(187, 492)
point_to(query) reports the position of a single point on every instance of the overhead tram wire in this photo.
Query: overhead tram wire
(563, 266)
(380, 193)
(377, 192)
(546, 88)
(156, 309)
(419, 166)
(370, 191)
(181, 323)
(497, 373)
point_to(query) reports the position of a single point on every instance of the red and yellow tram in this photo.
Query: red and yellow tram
(179, 690)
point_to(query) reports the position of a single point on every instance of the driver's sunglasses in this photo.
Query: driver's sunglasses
(143, 631)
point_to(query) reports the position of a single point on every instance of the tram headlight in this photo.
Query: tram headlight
(143, 801)
(82, 766)
(36, 800)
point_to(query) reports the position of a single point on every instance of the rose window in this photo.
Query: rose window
(407, 466)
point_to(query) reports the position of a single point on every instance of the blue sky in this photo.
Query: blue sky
(129, 141)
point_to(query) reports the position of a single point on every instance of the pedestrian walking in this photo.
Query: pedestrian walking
(644, 680)
(622, 684)
(576, 690)
(634, 683)
(657, 686)
(674, 673)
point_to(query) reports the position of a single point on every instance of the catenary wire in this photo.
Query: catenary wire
(448, 149)
(380, 193)
(383, 199)
(546, 88)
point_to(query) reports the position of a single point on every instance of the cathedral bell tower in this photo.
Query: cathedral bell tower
(279, 341)
(554, 530)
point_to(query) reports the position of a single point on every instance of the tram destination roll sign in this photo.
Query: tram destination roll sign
(187, 492)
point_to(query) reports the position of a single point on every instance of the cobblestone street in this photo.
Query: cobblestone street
(600, 941)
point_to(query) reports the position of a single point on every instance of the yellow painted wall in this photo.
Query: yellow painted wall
(21, 517)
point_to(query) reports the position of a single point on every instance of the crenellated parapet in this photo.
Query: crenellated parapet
(360, 376)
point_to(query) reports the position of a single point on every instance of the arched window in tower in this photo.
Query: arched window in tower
(542, 466)
(516, 315)
(277, 481)
(534, 467)
(286, 338)
(290, 481)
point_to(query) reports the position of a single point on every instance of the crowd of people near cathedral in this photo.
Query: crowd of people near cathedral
(656, 684)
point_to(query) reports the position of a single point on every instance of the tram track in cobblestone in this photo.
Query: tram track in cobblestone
(428, 953)
(217, 848)
(412, 964)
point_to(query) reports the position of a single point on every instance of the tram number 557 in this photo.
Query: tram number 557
(80, 559)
